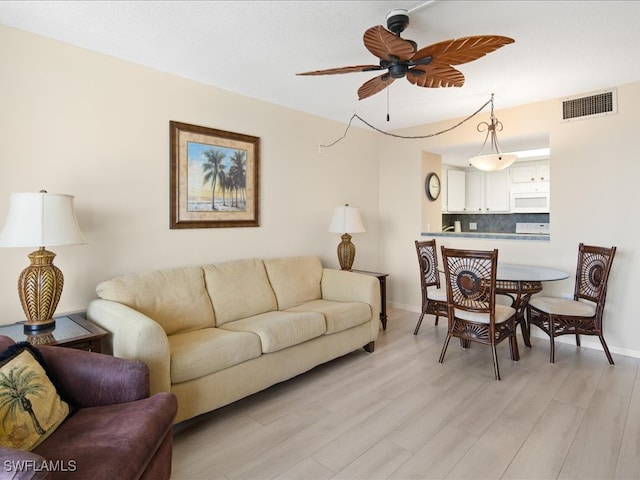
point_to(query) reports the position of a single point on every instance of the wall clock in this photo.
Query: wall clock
(432, 186)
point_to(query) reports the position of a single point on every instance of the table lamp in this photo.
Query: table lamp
(346, 220)
(38, 220)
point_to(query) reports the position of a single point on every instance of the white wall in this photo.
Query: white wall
(594, 196)
(77, 122)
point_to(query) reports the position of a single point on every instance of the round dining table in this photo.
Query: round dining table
(519, 283)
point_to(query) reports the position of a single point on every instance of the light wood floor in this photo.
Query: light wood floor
(399, 414)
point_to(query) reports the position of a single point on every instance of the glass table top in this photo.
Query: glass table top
(65, 329)
(528, 273)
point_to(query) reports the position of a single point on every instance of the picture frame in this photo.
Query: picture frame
(215, 178)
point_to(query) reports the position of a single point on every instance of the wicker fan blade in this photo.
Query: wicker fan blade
(435, 75)
(354, 68)
(374, 86)
(462, 50)
(384, 44)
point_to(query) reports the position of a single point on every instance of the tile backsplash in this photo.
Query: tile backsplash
(493, 223)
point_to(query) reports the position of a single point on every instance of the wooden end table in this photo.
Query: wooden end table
(72, 330)
(382, 278)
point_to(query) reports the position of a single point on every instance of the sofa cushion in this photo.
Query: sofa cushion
(111, 442)
(239, 289)
(199, 353)
(295, 280)
(175, 298)
(279, 330)
(338, 315)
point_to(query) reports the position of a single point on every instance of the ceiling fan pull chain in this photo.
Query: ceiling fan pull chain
(388, 103)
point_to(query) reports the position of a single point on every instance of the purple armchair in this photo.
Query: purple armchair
(118, 431)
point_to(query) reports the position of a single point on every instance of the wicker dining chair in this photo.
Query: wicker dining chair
(473, 314)
(581, 315)
(434, 298)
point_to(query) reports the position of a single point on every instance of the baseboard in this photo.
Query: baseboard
(402, 306)
(585, 340)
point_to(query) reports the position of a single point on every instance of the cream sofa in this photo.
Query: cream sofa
(213, 334)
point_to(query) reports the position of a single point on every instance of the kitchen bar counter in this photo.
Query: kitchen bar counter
(498, 236)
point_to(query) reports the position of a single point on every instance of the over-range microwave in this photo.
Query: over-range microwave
(530, 202)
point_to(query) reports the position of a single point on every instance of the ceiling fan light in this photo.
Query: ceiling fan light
(493, 161)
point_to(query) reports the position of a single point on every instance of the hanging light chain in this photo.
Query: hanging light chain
(491, 129)
(355, 115)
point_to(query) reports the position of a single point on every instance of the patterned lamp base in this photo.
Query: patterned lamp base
(40, 287)
(346, 252)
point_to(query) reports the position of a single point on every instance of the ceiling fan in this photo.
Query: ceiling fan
(430, 66)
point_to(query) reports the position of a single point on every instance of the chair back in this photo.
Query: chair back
(470, 280)
(592, 273)
(433, 302)
(428, 261)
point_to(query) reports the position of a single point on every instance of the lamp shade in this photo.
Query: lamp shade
(346, 220)
(493, 161)
(40, 219)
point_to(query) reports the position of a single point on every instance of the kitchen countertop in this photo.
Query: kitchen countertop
(499, 236)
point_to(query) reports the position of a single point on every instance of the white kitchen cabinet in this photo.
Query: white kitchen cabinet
(474, 191)
(531, 173)
(487, 192)
(455, 191)
(497, 189)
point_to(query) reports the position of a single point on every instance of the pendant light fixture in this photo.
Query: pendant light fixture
(495, 160)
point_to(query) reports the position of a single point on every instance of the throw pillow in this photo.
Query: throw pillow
(30, 407)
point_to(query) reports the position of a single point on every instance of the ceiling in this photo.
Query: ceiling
(255, 48)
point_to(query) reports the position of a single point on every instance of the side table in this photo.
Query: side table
(382, 278)
(73, 331)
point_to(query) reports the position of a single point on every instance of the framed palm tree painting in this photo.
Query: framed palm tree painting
(215, 178)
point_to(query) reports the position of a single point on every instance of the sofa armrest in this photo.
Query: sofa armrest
(135, 336)
(89, 379)
(345, 286)
(21, 465)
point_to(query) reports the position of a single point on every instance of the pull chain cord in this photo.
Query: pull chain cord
(388, 103)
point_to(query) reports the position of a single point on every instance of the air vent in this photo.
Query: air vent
(594, 105)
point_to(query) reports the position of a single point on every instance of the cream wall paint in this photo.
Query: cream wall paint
(431, 211)
(74, 121)
(594, 192)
